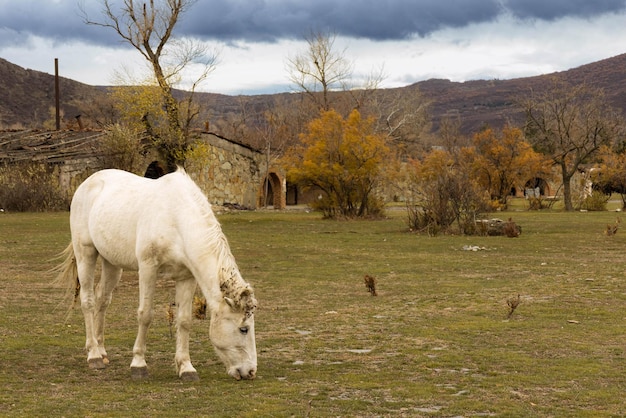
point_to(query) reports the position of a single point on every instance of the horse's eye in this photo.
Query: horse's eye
(243, 330)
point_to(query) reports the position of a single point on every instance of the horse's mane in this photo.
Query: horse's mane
(232, 285)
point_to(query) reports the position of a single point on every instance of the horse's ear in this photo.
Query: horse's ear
(230, 302)
(247, 300)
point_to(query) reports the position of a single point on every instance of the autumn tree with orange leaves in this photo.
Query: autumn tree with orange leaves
(343, 158)
(610, 175)
(504, 160)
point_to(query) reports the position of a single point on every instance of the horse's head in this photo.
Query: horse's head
(232, 335)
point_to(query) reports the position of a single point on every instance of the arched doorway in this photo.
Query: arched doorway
(272, 192)
(536, 187)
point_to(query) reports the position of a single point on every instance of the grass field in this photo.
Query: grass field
(436, 341)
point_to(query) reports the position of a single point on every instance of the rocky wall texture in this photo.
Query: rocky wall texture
(228, 173)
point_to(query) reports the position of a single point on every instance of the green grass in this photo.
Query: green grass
(435, 342)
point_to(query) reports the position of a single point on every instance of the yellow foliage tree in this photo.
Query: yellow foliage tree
(610, 177)
(140, 106)
(504, 160)
(344, 159)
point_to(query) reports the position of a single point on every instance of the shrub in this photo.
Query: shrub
(441, 194)
(596, 201)
(122, 148)
(534, 203)
(31, 187)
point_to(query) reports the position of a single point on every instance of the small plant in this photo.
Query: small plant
(513, 303)
(511, 229)
(535, 203)
(370, 284)
(170, 317)
(199, 307)
(76, 291)
(611, 229)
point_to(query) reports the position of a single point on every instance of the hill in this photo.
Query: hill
(28, 96)
(494, 102)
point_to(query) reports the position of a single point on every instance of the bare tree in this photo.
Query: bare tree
(149, 27)
(570, 123)
(236, 124)
(449, 134)
(320, 69)
(402, 116)
(274, 133)
(326, 77)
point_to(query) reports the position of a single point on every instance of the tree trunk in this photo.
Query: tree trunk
(173, 146)
(567, 188)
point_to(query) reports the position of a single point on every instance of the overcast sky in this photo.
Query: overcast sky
(412, 40)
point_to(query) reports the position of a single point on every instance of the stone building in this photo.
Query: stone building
(236, 174)
(230, 173)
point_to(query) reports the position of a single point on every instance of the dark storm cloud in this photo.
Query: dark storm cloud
(269, 20)
(555, 9)
(391, 19)
(374, 19)
(60, 21)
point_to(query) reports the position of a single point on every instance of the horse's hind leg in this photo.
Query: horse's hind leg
(147, 279)
(104, 292)
(86, 257)
(185, 290)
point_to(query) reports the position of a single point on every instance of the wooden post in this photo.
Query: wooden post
(56, 94)
(80, 122)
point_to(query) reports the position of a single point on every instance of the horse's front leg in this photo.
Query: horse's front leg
(147, 281)
(185, 290)
(104, 291)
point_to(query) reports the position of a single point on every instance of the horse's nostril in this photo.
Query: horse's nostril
(245, 374)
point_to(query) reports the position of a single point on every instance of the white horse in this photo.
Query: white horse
(162, 227)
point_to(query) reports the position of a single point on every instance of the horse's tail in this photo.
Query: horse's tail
(67, 275)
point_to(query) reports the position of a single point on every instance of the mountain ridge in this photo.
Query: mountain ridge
(28, 96)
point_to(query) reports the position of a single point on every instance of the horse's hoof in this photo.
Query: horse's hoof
(96, 363)
(105, 360)
(139, 372)
(189, 377)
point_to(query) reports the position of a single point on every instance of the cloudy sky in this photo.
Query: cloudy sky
(411, 40)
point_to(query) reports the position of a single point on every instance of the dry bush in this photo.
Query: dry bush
(449, 202)
(511, 229)
(498, 227)
(31, 187)
(171, 316)
(596, 201)
(535, 203)
(370, 284)
(122, 148)
(199, 307)
(513, 303)
(611, 229)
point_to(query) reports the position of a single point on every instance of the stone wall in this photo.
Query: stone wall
(227, 172)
